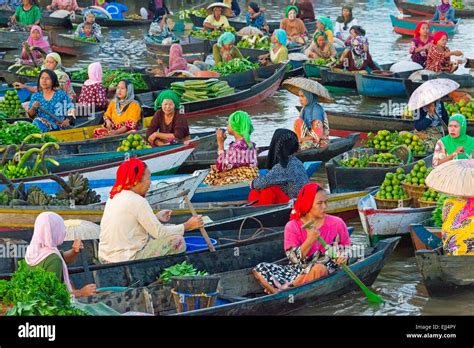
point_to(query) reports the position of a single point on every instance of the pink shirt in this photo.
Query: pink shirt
(62, 4)
(333, 226)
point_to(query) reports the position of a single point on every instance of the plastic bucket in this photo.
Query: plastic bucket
(197, 243)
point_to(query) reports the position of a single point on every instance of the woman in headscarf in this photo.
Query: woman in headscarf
(153, 6)
(305, 10)
(176, 60)
(53, 100)
(168, 125)
(217, 18)
(35, 40)
(129, 229)
(49, 233)
(306, 256)
(123, 113)
(93, 92)
(444, 12)
(312, 127)
(224, 50)
(429, 123)
(344, 23)
(67, 5)
(439, 55)
(358, 57)
(159, 28)
(421, 43)
(25, 16)
(320, 47)
(324, 25)
(286, 174)
(294, 27)
(456, 145)
(255, 17)
(239, 162)
(96, 29)
(278, 51)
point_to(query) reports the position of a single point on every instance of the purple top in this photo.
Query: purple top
(419, 57)
(238, 155)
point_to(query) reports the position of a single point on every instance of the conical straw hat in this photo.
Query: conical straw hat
(296, 83)
(455, 178)
(81, 229)
(431, 91)
(227, 11)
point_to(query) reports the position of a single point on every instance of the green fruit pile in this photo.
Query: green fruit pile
(413, 142)
(391, 187)
(461, 107)
(13, 171)
(11, 104)
(184, 14)
(383, 140)
(133, 142)
(430, 195)
(32, 72)
(385, 158)
(355, 162)
(418, 174)
(458, 5)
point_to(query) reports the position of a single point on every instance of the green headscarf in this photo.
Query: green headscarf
(318, 34)
(240, 122)
(327, 23)
(464, 140)
(168, 94)
(289, 8)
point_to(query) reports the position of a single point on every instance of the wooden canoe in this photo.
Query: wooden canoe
(259, 86)
(406, 26)
(48, 22)
(342, 79)
(413, 9)
(114, 23)
(67, 44)
(189, 48)
(424, 237)
(379, 224)
(343, 179)
(11, 40)
(380, 86)
(313, 70)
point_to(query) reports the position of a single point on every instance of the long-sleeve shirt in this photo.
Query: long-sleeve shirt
(96, 31)
(425, 121)
(127, 225)
(63, 4)
(344, 33)
(238, 155)
(449, 15)
(179, 125)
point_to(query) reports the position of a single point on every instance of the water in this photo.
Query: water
(399, 283)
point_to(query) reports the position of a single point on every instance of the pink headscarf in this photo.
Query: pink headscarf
(177, 61)
(48, 234)
(41, 43)
(95, 74)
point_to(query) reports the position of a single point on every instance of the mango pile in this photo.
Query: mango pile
(391, 187)
(461, 107)
(133, 142)
(11, 106)
(418, 174)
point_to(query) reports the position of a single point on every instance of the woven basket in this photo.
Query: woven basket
(392, 203)
(426, 204)
(190, 302)
(414, 192)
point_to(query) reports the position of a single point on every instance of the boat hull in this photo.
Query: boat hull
(406, 27)
(11, 40)
(380, 87)
(428, 10)
(64, 44)
(313, 70)
(424, 237)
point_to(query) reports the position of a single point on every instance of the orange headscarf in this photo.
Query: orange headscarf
(129, 174)
(305, 200)
(438, 36)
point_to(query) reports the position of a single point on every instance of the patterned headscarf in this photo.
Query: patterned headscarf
(129, 174)
(240, 122)
(305, 200)
(167, 94)
(357, 45)
(284, 144)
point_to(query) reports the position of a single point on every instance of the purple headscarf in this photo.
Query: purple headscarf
(444, 7)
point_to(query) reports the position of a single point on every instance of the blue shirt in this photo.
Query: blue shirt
(58, 105)
(115, 9)
(258, 22)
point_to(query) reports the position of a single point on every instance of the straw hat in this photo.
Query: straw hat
(296, 83)
(454, 178)
(431, 91)
(81, 229)
(227, 11)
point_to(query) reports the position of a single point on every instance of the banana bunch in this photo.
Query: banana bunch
(80, 193)
(233, 176)
(13, 171)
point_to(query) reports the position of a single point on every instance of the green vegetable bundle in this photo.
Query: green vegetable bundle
(15, 133)
(184, 14)
(86, 39)
(194, 90)
(111, 78)
(233, 66)
(36, 292)
(210, 35)
(322, 61)
(437, 214)
(180, 270)
(255, 42)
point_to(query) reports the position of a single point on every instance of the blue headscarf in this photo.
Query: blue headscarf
(226, 39)
(312, 111)
(281, 36)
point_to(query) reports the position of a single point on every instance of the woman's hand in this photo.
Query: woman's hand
(220, 135)
(36, 105)
(77, 246)
(460, 150)
(108, 124)
(313, 233)
(66, 123)
(457, 53)
(164, 215)
(428, 46)
(88, 290)
(159, 61)
(152, 138)
(18, 85)
(194, 223)
(340, 260)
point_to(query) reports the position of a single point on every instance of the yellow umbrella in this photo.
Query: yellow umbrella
(296, 83)
(455, 178)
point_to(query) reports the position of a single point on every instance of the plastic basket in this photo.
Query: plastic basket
(189, 302)
(392, 203)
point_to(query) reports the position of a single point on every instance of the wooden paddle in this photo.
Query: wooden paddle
(202, 229)
(371, 296)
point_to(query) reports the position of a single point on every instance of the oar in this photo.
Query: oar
(371, 296)
(202, 229)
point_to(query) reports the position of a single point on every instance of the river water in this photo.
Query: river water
(399, 283)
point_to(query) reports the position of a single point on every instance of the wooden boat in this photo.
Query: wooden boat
(11, 40)
(383, 223)
(5, 17)
(379, 86)
(114, 23)
(313, 70)
(255, 86)
(67, 44)
(49, 22)
(423, 10)
(424, 237)
(340, 78)
(469, 63)
(343, 179)
(199, 47)
(406, 26)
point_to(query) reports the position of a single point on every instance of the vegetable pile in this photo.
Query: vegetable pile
(111, 78)
(210, 35)
(11, 105)
(184, 14)
(194, 90)
(233, 66)
(256, 42)
(461, 107)
(36, 292)
(18, 132)
(179, 270)
(437, 214)
(133, 142)
(391, 188)
(322, 61)
(386, 140)
(418, 174)
(86, 39)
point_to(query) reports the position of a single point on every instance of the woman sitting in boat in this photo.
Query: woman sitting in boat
(217, 20)
(153, 6)
(123, 114)
(96, 29)
(129, 229)
(312, 126)
(357, 58)
(421, 43)
(324, 25)
(239, 162)
(53, 101)
(93, 94)
(278, 51)
(429, 123)
(444, 12)
(168, 125)
(25, 16)
(67, 5)
(439, 55)
(255, 17)
(177, 62)
(306, 256)
(305, 10)
(286, 174)
(294, 27)
(159, 29)
(456, 145)
(35, 40)
(49, 233)
(344, 23)
(321, 47)
(224, 50)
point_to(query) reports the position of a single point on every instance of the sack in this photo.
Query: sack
(233, 176)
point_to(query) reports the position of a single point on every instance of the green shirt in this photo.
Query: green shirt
(216, 53)
(52, 263)
(27, 17)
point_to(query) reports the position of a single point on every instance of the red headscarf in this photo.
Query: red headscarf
(438, 36)
(305, 200)
(418, 28)
(129, 174)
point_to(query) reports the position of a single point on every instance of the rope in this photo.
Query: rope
(260, 231)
